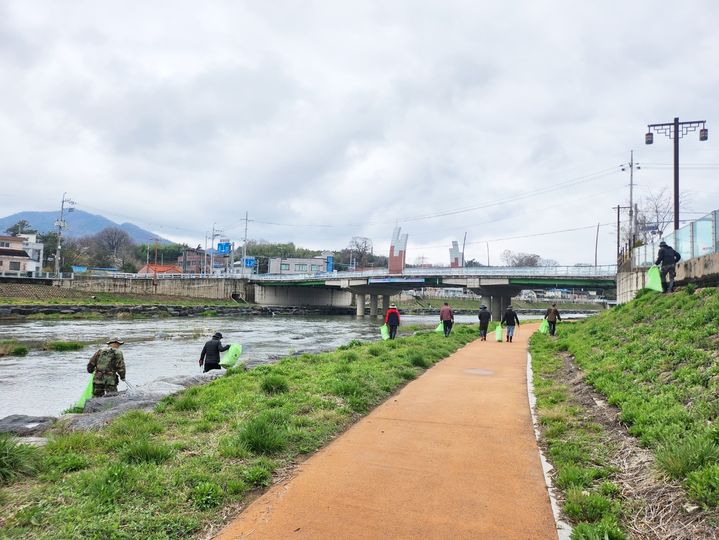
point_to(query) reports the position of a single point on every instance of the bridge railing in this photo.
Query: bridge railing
(698, 238)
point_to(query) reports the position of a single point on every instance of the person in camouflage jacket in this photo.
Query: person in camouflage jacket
(107, 364)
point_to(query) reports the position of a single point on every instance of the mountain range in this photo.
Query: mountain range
(79, 223)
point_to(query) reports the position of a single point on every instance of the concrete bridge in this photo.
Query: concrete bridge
(498, 284)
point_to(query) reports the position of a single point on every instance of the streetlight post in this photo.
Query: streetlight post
(676, 130)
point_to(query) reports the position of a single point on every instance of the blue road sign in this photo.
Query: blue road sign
(224, 247)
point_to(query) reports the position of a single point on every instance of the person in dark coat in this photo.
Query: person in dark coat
(552, 315)
(484, 317)
(391, 319)
(446, 315)
(210, 355)
(510, 319)
(668, 259)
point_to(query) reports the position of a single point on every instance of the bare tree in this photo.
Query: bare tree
(361, 248)
(511, 258)
(111, 240)
(656, 214)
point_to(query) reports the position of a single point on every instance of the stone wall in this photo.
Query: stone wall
(209, 288)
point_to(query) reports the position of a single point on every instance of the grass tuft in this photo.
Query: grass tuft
(16, 460)
(274, 384)
(262, 435)
(145, 451)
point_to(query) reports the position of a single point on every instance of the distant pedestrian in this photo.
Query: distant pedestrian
(210, 355)
(510, 319)
(446, 315)
(552, 315)
(484, 317)
(391, 319)
(107, 364)
(668, 259)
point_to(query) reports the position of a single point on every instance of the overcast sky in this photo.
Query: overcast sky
(328, 120)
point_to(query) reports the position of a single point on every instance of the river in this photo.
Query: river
(46, 383)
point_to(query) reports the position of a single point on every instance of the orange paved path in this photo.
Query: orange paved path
(453, 455)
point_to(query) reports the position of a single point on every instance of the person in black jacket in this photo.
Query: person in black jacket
(210, 355)
(668, 259)
(484, 317)
(510, 319)
(391, 319)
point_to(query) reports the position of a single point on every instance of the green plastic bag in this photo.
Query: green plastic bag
(384, 330)
(498, 332)
(229, 359)
(544, 327)
(86, 394)
(654, 280)
(440, 327)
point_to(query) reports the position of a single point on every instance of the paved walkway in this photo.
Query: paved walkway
(451, 456)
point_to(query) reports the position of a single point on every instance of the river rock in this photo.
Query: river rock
(20, 424)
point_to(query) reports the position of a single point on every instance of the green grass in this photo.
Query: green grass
(655, 359)
(166, 473)
(10, 347)
(16, 460)
(63, 346)
(575, 447)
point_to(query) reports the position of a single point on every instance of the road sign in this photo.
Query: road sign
(224, 247)
(330, 263)
(249, 262)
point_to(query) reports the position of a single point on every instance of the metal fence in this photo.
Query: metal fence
(695, 239)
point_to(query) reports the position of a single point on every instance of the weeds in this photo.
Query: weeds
(263, 436)
(16, 460)
(61, 346)
(274, 384)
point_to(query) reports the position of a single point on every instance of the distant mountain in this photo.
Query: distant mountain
(79, 223)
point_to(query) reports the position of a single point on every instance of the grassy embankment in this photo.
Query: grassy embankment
(168, 473)
(98, 299)
(656, 360)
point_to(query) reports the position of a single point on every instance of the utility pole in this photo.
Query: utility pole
(676, 130)
(61, 224)
(596, 246)
(618, 209)
(488, 254)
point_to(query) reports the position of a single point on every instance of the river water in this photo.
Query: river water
(47, 383)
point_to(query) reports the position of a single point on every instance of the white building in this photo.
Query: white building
(34, 250)
(281, 265)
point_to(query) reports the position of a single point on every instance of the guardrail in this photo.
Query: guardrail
(36, 275)
(480, 271)
(698, 238)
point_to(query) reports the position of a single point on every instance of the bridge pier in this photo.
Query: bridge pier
(359, 300)
(385, 303)
(498, 305)
(373, 305)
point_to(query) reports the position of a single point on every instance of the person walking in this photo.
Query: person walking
(446, 315)
(552, 315)
(391, 319)
(510, 319)
(668, 259)
(107, 366)
(210, 355)
(484, 317)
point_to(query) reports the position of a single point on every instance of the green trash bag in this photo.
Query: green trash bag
(440, 327)
(86, 394)
(498, 332)
(654, 280)
(544, 327)
(229, 359)
(384, 330)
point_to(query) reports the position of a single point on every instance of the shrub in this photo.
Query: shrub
(144, 451)
(263, 436)
(206, 495)
(274, 384)
(679, 457)
(16, 460)
(584, 506)
(704, 486)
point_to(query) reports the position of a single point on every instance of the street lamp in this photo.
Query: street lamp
(673, 131)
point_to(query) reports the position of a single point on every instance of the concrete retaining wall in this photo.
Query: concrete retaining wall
(210, 288)
(703, 271)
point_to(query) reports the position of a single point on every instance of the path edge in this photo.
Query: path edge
(564, 530)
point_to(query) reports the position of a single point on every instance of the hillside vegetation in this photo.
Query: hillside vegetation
(655, 359)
